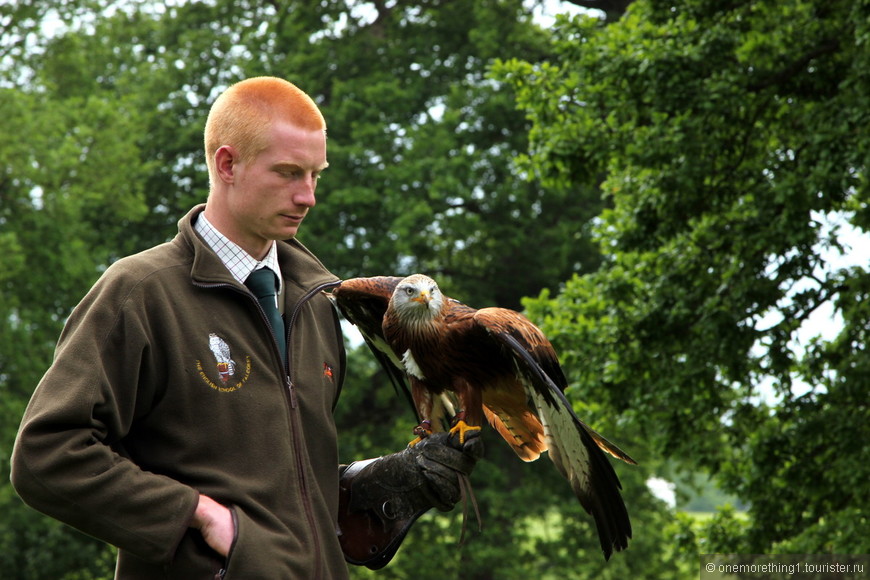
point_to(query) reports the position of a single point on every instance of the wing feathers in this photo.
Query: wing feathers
(574, 448)
(593, 479)
(363, 302)
(537, 360)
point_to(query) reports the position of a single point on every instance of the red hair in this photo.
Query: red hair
(242, 114)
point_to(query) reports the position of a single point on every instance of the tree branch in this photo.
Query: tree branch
(826, 47)
(802, 315)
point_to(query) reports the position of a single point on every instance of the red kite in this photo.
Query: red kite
(500, 367)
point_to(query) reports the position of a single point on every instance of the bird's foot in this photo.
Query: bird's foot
(462, 428)
(424, 429)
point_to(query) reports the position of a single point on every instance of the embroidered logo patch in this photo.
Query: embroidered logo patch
(225, 367)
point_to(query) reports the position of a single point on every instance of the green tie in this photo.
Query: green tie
(263, 283)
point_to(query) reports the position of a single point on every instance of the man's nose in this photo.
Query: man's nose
(304, 195)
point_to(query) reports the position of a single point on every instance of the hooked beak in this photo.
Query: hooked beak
(423, 298)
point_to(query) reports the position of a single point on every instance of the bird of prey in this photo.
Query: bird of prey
(499, 367)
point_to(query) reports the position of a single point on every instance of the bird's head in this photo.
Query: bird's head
(417, 298)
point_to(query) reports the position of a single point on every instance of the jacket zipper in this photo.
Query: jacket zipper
(288, 327)
(303, 482)
(292, 391)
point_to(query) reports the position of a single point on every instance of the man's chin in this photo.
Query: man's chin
(288, 234)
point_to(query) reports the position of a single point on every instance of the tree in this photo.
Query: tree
(722, 137)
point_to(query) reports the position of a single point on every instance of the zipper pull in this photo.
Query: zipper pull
(292, 393)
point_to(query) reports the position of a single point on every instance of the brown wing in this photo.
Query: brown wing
(363, 302)
(574, 448)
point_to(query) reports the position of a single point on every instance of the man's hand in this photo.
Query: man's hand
(215, 523)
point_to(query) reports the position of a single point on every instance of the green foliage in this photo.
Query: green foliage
(421, 148)
(40, 548)
(721, 135)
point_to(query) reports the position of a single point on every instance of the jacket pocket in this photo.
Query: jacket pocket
(222, 573)
(194, 559)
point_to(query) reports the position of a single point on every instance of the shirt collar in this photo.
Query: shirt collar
(238, 261)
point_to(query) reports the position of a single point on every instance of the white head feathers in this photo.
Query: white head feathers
(417, 298)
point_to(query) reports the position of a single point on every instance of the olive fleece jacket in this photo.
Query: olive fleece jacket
(167, 383)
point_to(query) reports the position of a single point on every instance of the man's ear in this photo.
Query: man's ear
(225, 159)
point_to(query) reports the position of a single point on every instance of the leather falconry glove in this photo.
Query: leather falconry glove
(379, 499)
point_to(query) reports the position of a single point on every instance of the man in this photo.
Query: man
(185, 420)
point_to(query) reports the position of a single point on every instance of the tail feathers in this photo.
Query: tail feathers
(523, 432)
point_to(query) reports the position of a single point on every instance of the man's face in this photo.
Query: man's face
(270, 196)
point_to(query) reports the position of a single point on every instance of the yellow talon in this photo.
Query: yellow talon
(462, 427)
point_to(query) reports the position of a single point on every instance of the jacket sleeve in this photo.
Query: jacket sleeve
(68, 459)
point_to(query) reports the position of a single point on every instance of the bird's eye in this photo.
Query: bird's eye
(409, 290)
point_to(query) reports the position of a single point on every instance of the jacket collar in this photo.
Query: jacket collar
(298, 265)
